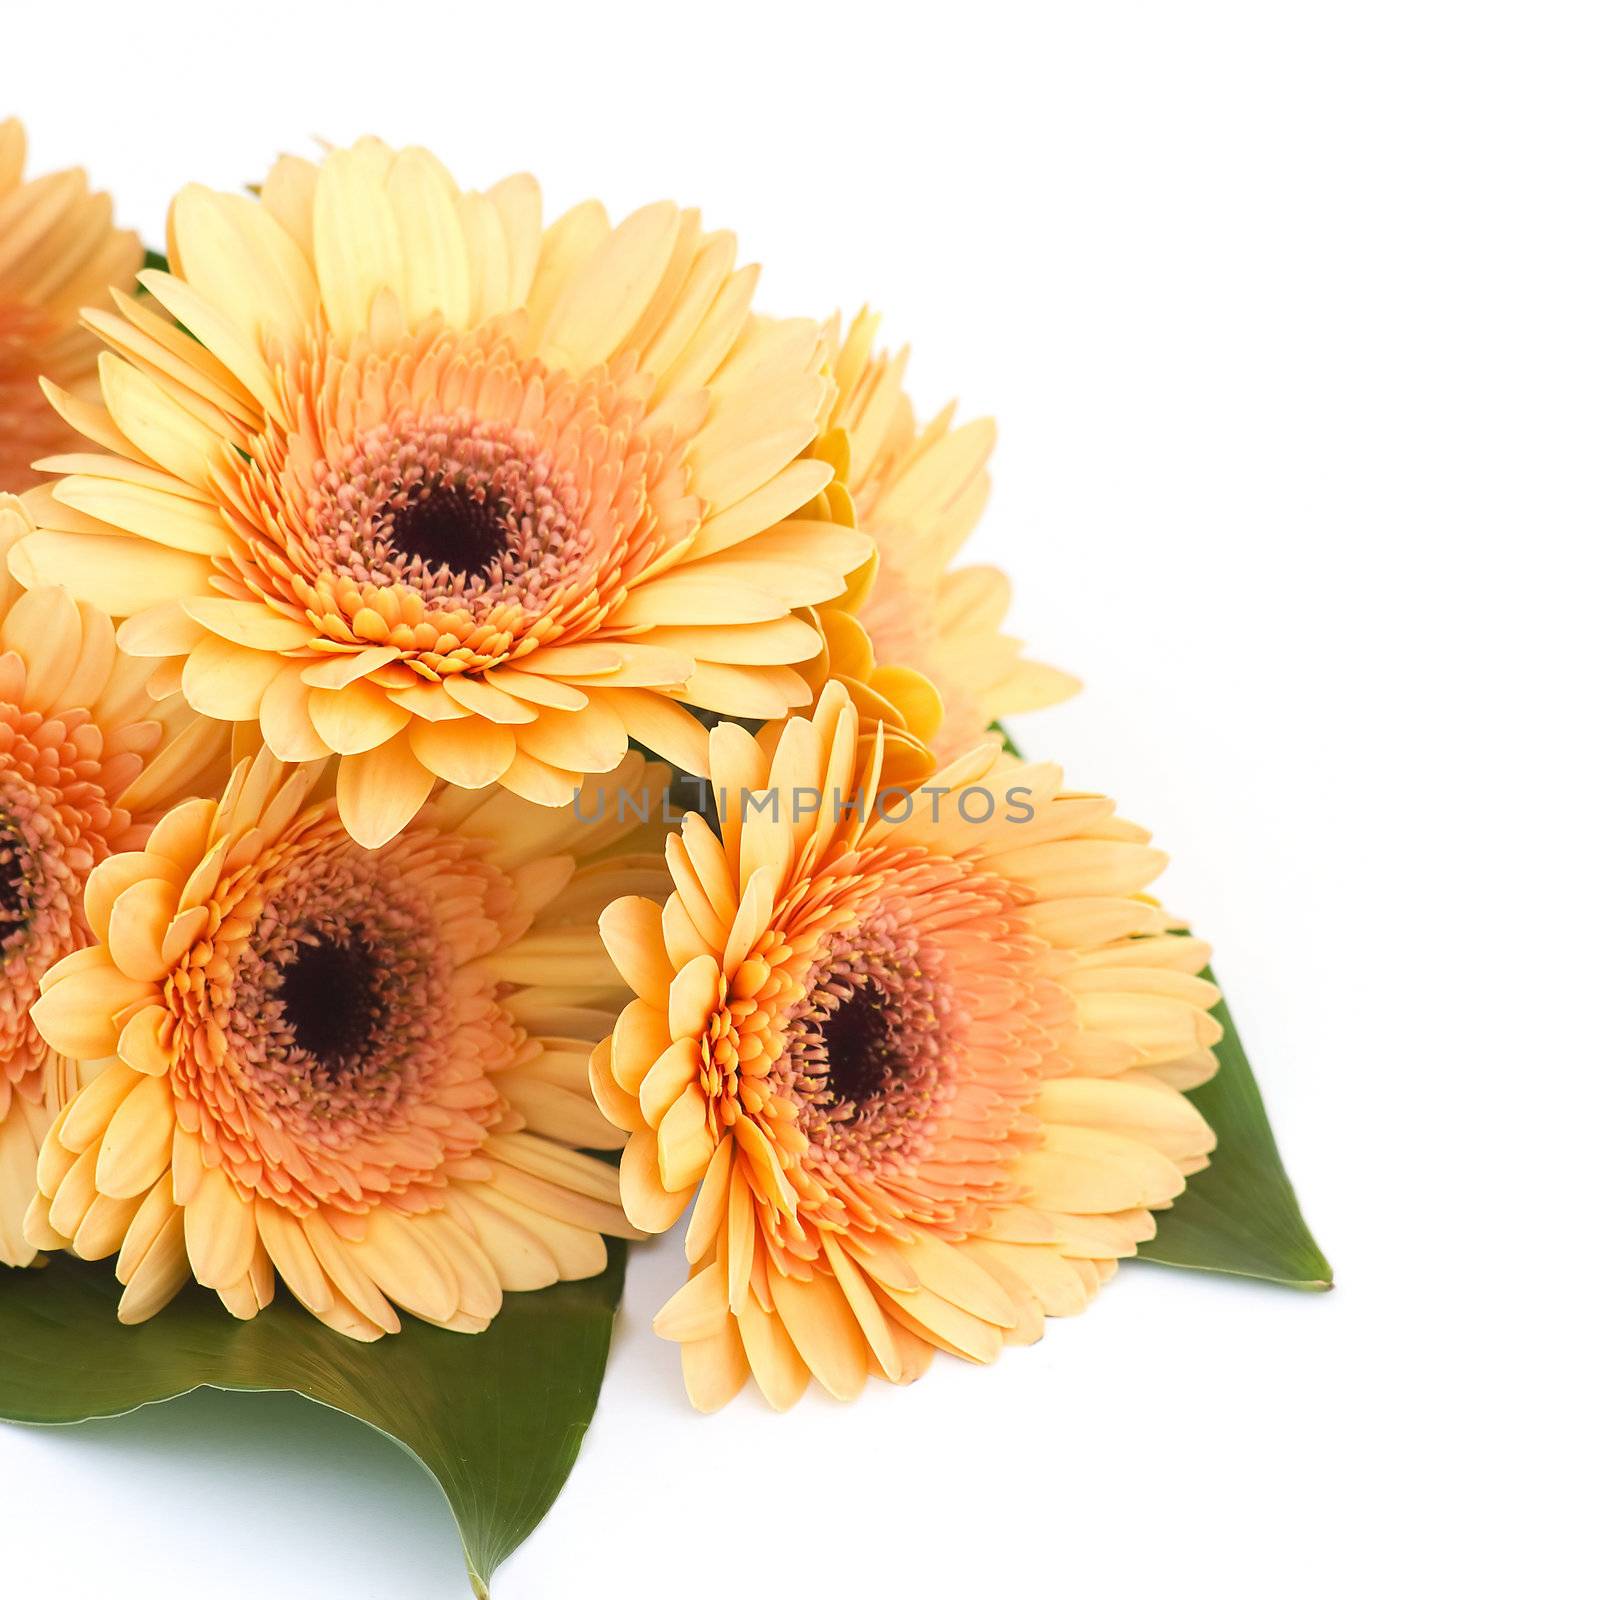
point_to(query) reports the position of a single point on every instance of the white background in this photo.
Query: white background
(1291, 319)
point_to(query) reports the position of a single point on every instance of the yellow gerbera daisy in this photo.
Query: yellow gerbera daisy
(919, 1055)
(87, 761)
(448, 494)
(361, 1071)
(918, 492)
(58, 254)
(896, 698)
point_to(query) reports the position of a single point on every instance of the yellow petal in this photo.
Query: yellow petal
(137, 1147)
(162, 1271)
(472, 753)
(220, 1232)
(697, 1311)
(93, 1107)
(675, 1069)
(693, 995)
(664, 728)
(165, 518)
(77, 1016)
(1152, 1114)
(285, 714)
(357, 240)
(237, 256)
(432, 249)
(502, 1230)
(405, 1270)
(118, 574)
(869, 1315)
(1087, 1170)
(819, 1320)
(631, 931)
(714, 1369)
(619, 1108)
(648, 1205)
(588, 324)
(292, 1255)
(686, 1142)
(592, 740)
(249, 623)
(778, 1368)
(355, 719)
(641, 1034)
(147, 413)
(139, 922)
(43, 627)
(226, 681)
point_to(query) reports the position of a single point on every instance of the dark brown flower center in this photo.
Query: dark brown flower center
(449, 528)
(333, 1001)
(867, 1057)
(15, 890)
(858, 1042)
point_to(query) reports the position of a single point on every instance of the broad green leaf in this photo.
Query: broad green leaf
(1240, 1215)
(496, 1417)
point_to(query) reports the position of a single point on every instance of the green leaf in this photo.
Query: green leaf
(496, 1417)
(1240, 1215)
(154, 258)
(1006, 742)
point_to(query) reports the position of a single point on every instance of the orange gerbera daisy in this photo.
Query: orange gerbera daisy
(448, 494)
(898, 699)
(87, 761)
(360, 1071)
(920, 1055)
(58, 253)
(914, 619)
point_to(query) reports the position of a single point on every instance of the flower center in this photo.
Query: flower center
(335, 991)
(866, 1060)
(858, 1044)
(55, 824)
(16, 899)
(337, 1052)
(465, 513)
(449, 529)
(332, 1000)
(887, 1036)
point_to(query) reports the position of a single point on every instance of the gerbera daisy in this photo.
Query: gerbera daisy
(888, 695)
(87, 760)
(58, 254)
(447, 494)
(918, 492)
(361, 1071)
(919, 1056)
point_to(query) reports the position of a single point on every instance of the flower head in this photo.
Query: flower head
(87, 760)
(359, 1071)
(448, 493)
(58, 254)
(919, 1056)
(912, 619)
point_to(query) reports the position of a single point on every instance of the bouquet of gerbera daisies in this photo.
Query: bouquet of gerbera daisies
(496, 756)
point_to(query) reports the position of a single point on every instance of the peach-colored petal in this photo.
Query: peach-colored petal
(61, 254)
